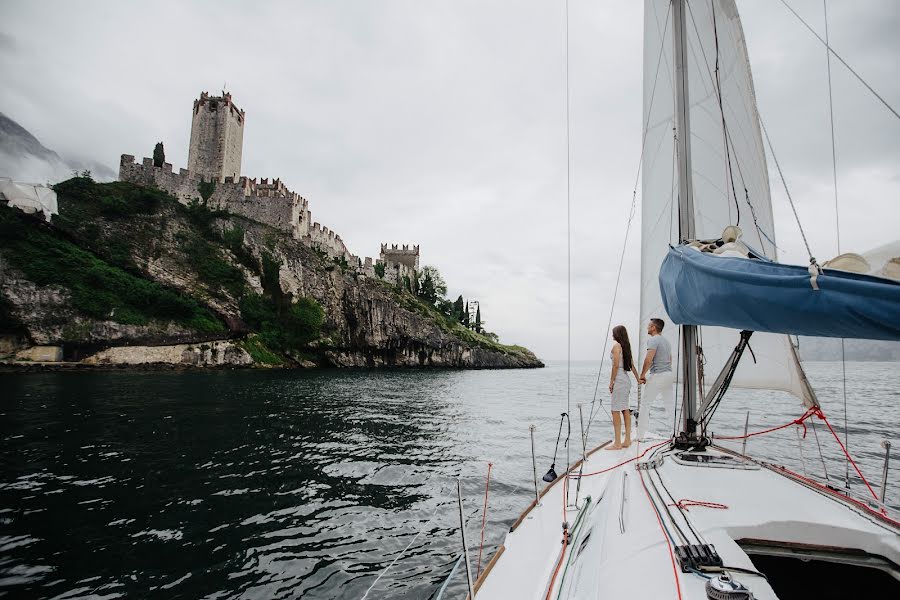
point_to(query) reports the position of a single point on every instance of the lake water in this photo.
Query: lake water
(249, 484)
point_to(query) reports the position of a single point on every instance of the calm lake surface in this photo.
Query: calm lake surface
(248, 484)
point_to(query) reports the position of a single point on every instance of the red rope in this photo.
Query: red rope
(624, 462)
(821, 415)
(565, 539)
(487, 487)
(817, 412)
(684, 503)
(665, 536)
(839, 494)
(812, 411)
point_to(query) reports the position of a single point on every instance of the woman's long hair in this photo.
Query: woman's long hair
(620, 334)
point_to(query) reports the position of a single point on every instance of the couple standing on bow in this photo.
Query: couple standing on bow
(656, 374)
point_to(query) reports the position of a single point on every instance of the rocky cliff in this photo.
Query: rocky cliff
(125, 267)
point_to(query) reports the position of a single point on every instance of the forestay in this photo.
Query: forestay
(730, 178)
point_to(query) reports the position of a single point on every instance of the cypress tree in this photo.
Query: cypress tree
(159, 155)
(466, 316)
(458, 309)
(478, 319)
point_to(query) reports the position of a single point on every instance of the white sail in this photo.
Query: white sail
(730, 177)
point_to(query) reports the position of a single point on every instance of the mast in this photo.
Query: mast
(685, 207)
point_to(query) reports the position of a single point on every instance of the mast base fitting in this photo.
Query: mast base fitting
(724, 587)
(695, 556)
(692, 443)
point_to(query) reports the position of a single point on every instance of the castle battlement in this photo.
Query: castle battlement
(400, 255)
(211, 103)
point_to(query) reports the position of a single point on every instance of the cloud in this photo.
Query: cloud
(444, 124)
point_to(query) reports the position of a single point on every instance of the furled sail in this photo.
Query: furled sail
(702, 288)
(730, 177)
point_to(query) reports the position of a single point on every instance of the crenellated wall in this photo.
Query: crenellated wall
(269, 203)
(403, 255)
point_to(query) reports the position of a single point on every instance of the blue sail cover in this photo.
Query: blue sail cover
(699, 288)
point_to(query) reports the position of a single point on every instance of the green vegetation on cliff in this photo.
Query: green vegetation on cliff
(129, 254)
(98, 289)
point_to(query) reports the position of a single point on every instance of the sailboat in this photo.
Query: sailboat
(685, 517)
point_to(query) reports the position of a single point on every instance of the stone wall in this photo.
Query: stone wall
(269, 203)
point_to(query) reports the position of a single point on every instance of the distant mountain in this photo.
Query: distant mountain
(812, 348)
(24, 158)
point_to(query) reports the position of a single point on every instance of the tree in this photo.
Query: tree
(159, 155)
(379, 270)
(445, 307)
(458, 309)
(432, 286)
(478, 319)
(466, 316)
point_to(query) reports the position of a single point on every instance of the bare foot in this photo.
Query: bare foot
(626, 444)
(616, 446)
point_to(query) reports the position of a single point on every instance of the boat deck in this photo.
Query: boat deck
(621, 542)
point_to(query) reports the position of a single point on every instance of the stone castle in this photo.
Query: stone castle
(214, 156)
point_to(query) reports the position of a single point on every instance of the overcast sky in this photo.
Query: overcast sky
(443, 124)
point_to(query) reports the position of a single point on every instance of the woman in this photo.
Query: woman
(620, 385)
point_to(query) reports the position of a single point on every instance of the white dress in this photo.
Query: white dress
(621, 387)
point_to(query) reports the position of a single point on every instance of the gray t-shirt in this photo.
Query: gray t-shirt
(662, 359)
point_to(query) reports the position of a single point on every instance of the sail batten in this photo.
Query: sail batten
(728, 170)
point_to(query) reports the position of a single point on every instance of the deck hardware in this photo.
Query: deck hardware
(695, 556)
(744, 443)
(537, 494)
(724, 587)
(649, 465)
(886, 444)
(622, 503)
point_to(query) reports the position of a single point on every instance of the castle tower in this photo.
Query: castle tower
(404, 255)
(217, 137)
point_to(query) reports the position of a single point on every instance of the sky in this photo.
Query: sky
(444, 124)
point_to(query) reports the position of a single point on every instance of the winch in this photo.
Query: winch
(724, 587)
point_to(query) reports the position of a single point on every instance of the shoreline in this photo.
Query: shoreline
(51, 367)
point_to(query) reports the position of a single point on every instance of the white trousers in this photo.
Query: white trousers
(658, 386)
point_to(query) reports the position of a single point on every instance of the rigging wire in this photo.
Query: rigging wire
(843, 62)
(786, 190)
(568, 244)
(837, 226)
(729, 140)
(721, 110)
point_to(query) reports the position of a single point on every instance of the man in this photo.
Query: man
(658, 381)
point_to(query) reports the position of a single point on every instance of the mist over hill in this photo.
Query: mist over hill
(24, 158)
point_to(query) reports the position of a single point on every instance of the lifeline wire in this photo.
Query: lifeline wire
(837, 226)
(402, 552)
